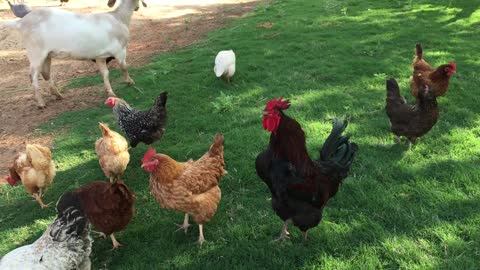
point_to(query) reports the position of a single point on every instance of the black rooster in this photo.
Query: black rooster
(301, 187)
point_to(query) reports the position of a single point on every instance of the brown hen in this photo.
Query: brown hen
(424, 75)
(190, 187)
(108, 206)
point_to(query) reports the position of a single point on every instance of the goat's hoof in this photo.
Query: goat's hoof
(130, 82)
(59, 97)
(41, 106)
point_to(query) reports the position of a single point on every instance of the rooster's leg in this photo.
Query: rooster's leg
(409, 145)
(38, 198)
(112, 179)
(115, 243)
(185, 224)
(285, 233)
(201, 239)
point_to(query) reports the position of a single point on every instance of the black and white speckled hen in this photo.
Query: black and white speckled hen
(66, 244)
(141, 126)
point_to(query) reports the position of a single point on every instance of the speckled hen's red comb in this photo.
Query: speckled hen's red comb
(148, 155)
(277, 103)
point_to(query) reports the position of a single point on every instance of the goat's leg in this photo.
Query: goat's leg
(36, 89)
(121, 57)
(124, 69)
(102, 66)
(48, 77)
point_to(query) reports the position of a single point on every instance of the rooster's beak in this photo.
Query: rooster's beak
(264, 113)
(143, 165)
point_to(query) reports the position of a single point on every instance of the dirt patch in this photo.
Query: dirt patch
(165, 26)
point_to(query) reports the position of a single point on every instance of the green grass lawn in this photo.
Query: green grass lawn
(397, 210)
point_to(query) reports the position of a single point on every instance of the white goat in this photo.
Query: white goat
(55, 33)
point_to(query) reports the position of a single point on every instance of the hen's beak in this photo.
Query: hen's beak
(264, 113)
(143, 165)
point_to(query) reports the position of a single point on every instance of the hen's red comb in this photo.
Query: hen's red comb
(277, 103)
(148, 155)
(453, 66)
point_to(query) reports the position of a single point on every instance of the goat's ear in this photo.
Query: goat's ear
(144, 4)
(111, 3)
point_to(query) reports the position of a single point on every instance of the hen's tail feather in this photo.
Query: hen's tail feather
(217, 146)
(337, 153)
(418, 52)
(128, 195)
(104, 128)
(71, 220)
(393, 91)
(40, 156)
(161, 99)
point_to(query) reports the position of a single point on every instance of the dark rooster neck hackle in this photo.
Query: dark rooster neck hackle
(289, 143)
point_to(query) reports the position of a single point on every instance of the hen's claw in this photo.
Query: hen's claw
(182, 226)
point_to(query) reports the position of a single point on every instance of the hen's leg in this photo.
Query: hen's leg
(305, 236)
(185, 224)
(115, 243)
(201, 239)
(285, 233)
(39, 200)
(411, 141)
(100, 234)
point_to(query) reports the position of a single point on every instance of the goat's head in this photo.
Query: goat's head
(111, 3)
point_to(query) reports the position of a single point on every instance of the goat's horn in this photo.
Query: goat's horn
(144, 4)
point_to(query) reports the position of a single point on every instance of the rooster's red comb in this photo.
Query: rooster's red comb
(148, 155)
(453, 66)
(277, 103)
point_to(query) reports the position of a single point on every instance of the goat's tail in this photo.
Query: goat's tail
(10, 24)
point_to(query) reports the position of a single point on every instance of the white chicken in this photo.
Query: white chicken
(225, 64)
(65, 245)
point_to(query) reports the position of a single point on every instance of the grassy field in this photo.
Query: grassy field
(397, 210)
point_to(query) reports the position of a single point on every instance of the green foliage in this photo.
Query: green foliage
(224, 103)
(398, 210)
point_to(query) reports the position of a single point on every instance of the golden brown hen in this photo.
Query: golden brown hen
(190, 187)
(112, 152)
(425, 75)
(35, 169)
